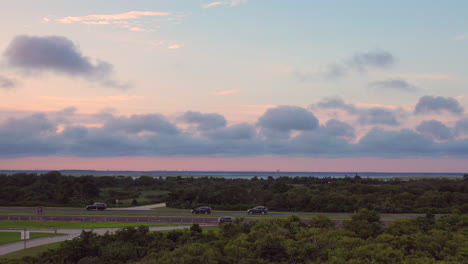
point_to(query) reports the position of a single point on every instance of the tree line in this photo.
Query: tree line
(281, 194)
(361, 240)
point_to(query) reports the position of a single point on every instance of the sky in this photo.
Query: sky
(297, 85)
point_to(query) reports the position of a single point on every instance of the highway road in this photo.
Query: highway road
(157, 212)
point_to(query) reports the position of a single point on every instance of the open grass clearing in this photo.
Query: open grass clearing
(33, 251)
(10, 237)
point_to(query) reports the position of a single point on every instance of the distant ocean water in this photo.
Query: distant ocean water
(247, 174)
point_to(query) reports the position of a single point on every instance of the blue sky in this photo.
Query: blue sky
(286, 81)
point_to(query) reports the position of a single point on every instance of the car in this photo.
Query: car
(201, 210)
(96, 206)
(258, 210)
(226, 219)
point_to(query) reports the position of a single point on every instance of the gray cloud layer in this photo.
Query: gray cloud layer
(155, 135)
(435, 129)
(57, 54)
(376, 116)
(438, 104)
(203, 121)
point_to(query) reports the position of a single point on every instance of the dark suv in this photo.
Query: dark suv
(258, 210)
(226, 219)
(201, 210)
(96, 206)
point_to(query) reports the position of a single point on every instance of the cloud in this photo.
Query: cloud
(366, 115)
(374, 59)
(402, 143)
(338, 128)
(154, 135)
(335, 103)
(394, 84)
(105, 99)
(226, 3)
(141, 123)
(213, 4)
(203, 121)
(331, 72)
(461, 127)
(110, 17)
(461, 37)
(435, 129)
(378, 116)
(278, 123)
(56, 54)
(7, 83)
(360, 62)
(436, 105)
(136, 21)
(287, 118)
(227, 92)
(243, 131)
(175, 46)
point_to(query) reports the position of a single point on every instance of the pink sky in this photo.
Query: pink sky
(260, 163)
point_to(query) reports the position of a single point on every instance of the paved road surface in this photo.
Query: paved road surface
(71, 233)
(178, 212)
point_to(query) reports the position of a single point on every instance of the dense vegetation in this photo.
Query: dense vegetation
(362, 240)
(286, 194)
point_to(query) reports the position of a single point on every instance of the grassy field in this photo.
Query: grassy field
(34, 251)
(9, 237)
(72, 225)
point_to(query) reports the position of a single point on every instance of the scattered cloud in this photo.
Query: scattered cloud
(431, 76)
(133, 20)
(330, 72)
(108, 18)
(438, 104)
(368, 115)
(360, 62)
(461, 37)
(227, 92)
(394, 84)
(7, 83)
(138, 29)
(31, 54)
(175, 46)
(225, 3)
(213, 4)
(435, 129)
(105, 99)
(372, 59)
(335, 103)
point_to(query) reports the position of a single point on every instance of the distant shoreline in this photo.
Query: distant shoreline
(244, 174)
